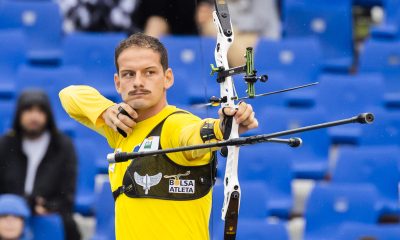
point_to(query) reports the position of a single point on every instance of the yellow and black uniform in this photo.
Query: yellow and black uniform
(148, 218)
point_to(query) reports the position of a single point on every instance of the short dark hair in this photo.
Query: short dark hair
(143, 41)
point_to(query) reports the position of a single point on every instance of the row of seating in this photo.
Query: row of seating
(88, 59)
(40, 21)
(333, 211)
(276, 168)
(300, 18)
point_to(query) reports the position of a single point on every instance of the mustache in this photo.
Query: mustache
(139, 91)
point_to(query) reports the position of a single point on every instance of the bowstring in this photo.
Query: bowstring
(205, 92)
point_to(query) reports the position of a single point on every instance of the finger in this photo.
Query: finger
(249, 120)
(241, 109)
(127, 121)
(221, 115)
(118, 123)
(246, 113)
(129, 110)
(253, 125)
(109, 122)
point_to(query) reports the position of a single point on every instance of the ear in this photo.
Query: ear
(117, 83)
(169, 78)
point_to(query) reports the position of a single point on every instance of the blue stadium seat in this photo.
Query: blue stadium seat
(102, 147)
(42, 24)
(104, 214)
(253, 203)
(330, 206)
(190, 58)
(323, 19)
(51, 80)
(298, 58)
(271, 165)
(357, 231)
(378, 166)
(345, 96)
(13, 53)
(94, 53)
(311, 159)
(384, 131)
(6, 115)
(389, 28)
(260, 230)
(350, 94)
(47, 227)
(85, 196)
(288, 63)
(383, 56)
(254, 230)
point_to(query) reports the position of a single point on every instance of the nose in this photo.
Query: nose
(138, 81)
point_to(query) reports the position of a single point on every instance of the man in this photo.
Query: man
(39, 162)
(159, 197)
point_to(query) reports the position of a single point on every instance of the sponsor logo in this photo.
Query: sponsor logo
(177, 185)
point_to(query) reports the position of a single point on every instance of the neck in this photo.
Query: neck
(144, 114)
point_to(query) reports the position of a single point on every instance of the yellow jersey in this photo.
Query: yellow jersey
(146, 218)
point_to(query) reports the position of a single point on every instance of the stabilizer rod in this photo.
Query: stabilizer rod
(125, 156)
(364, 118)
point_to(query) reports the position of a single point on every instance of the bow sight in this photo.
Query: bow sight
(250, 78)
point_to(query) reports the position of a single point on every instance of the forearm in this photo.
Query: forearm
(205, 131)
(84, 104)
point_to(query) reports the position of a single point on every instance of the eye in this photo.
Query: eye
(150, 73)
(128, 74)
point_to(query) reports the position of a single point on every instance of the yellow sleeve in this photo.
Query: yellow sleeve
(85, 104)
(184, 130)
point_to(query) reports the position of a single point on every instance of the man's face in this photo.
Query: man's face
(11, 227)
(33, 121)
(141, 80)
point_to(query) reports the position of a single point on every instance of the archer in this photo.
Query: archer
(140, 188)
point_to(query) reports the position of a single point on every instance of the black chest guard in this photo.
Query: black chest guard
(161, 178)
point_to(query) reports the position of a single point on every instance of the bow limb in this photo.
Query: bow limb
(232, 192)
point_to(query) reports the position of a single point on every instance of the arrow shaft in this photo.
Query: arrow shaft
(280, 91)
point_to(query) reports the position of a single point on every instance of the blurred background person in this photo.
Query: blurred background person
(39, 162)
(153, 17)
(14, 218)
(99, 15)
(161, 17)
(252, 19)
